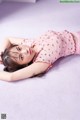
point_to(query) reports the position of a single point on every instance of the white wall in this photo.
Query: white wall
(33, 1)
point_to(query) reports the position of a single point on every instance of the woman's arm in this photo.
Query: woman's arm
(5, 76)
(6, 44)
(27, 72)
(10, 41)
(15, 40)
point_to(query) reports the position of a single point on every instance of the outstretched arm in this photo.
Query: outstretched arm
(27, 72)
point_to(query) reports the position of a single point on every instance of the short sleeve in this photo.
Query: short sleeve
(46, 57)
(43, 57)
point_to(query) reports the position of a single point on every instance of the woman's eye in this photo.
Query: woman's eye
(18, 48)
(21, 57)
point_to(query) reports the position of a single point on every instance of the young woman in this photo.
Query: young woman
(25, 58)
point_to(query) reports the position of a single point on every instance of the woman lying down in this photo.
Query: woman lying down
(25, 58)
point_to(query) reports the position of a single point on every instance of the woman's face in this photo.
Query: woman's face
(22, 54)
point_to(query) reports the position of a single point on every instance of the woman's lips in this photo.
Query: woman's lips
(30, 51)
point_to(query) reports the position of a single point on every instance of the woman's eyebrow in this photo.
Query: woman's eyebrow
(14, 52)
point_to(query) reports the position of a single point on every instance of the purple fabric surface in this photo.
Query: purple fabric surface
(56, 95)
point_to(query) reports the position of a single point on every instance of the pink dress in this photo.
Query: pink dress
(54, 45)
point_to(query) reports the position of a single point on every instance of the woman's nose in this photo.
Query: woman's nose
(25, 51)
